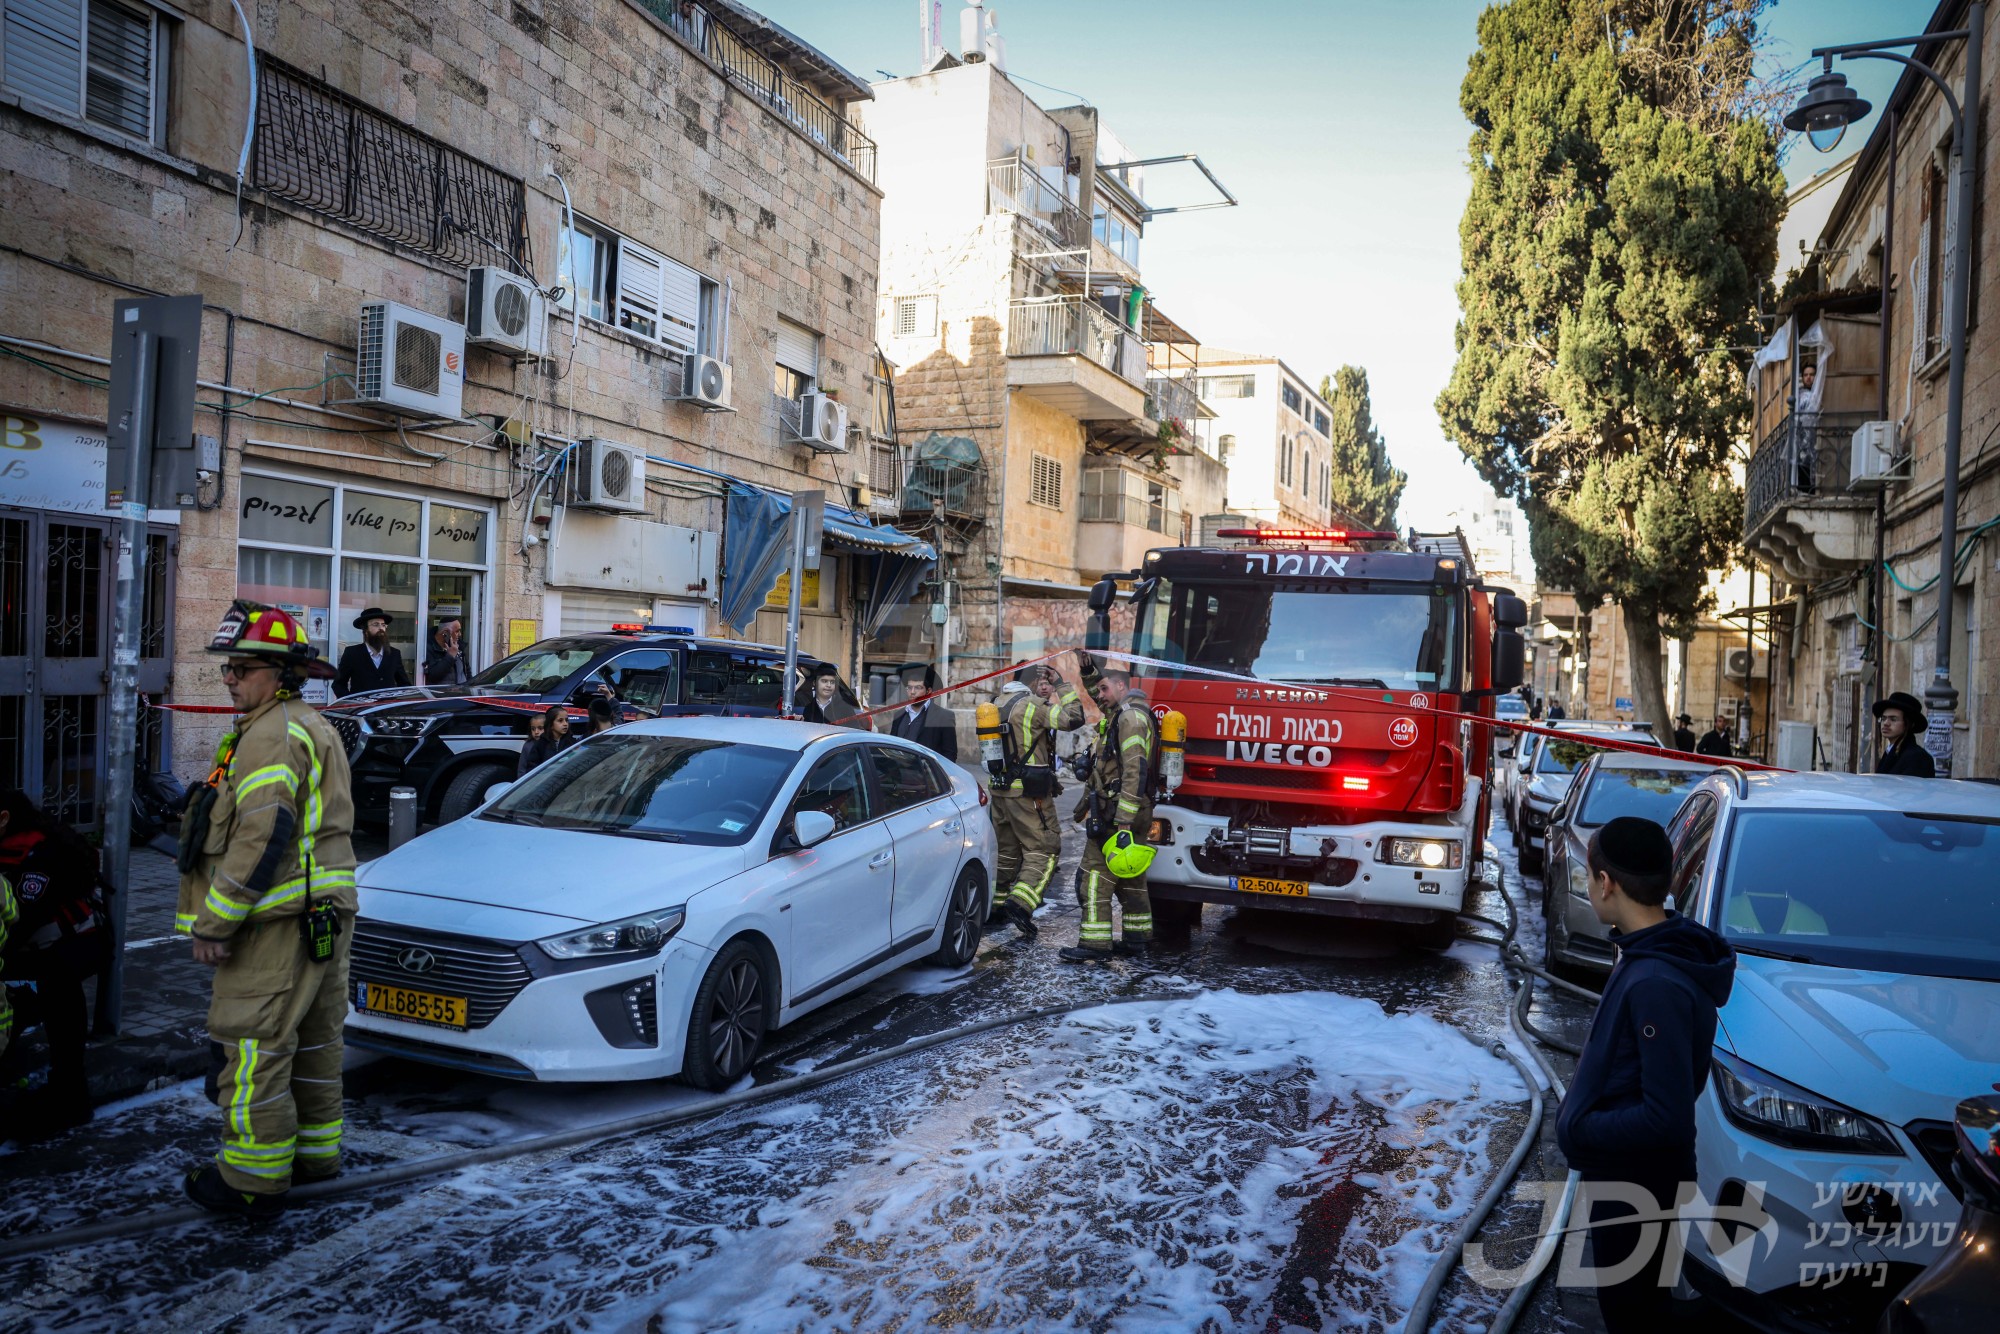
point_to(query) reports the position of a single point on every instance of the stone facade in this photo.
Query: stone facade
(653, 140)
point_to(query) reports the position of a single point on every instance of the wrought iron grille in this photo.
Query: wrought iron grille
(1803, 458)
(73, 588)
(318, 147)
(70, 725)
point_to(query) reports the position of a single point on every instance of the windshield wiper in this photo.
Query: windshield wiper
(513, 817)
(1763, 953)
(656, 835)
(1376, 682)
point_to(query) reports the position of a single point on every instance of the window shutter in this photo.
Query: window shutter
(641, 281)
(1920, 291)
(119, 89)
(680, 304)
(1950, 233)
(44, 51)
(798, 348)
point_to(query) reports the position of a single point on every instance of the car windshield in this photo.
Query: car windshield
(1510, 706)
(1563, 757)
(541, 668)
(1653, 794)
(1392, 636)
(667, 788)
(1880, 890)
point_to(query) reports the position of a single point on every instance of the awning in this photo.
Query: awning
(754, 555)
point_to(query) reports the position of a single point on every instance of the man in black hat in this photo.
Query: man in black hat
(927, 722)
(374, 663)
(1716, 741)
(1627, 1124)
(1901, 721)
(1684, 734)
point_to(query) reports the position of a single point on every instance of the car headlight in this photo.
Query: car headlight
(1430, 854)
(627, 938)
(1784, 1113)
(406, 724)
(1579, 880)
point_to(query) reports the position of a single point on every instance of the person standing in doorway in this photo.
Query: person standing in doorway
(1684, 734)
(1715, 741)
(446, 664)
(1900, 719)
(374, 663)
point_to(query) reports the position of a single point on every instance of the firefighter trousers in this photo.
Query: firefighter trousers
(1099, 886)
(1030, 842)
(276, 1017)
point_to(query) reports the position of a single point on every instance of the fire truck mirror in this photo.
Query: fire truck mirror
(1102, 594)
(1509, 611)
(1510, 654)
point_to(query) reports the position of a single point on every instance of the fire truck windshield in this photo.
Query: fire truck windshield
(1394, 636)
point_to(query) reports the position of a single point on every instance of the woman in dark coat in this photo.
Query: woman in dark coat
(553, 739)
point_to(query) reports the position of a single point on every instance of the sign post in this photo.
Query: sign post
(808, 528)
(155, 344)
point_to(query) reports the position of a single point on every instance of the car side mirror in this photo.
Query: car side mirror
(1102, 594)
(810, 827)
(499, 790)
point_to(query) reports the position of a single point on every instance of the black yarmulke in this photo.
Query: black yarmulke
(1634, 846)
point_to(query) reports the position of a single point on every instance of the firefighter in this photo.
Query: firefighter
(1117, 811)
(1034, 706)
(267, 891)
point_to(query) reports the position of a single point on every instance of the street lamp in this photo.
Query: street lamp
(1824, 114)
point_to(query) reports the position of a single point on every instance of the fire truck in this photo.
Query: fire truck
(1307, 665)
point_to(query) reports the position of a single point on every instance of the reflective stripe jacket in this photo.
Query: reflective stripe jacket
(1124, 765)
(285, 808)
(1031, 723)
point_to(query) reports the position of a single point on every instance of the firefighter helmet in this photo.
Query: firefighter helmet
(1125, 856)
(253, 630)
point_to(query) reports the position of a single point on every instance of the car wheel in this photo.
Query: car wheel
(964, 920)
(1437, 934)
(726, 1027)
(466, 792)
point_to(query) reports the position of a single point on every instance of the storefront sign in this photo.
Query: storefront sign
(781, 592)
(458, 535)
(522, 634)
(54, 465)
(385, 525)
(298, 514)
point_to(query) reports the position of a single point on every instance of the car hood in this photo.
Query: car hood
(408, 696)
(468, 869)
(1549, 787)
(1896, 1046)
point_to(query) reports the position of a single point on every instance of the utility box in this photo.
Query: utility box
(1795, 746)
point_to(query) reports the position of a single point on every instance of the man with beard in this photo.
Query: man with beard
(374, 663)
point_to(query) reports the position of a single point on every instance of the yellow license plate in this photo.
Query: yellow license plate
(419, 1007)
(1257, 884)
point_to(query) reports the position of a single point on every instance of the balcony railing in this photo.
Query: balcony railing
(765, 80)
(1117, 507)
(1012, 186)
(1172, 398)
(1057, 326)
(1803, 458)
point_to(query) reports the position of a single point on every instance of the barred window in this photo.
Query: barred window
(1293, 398)
(318, 147)
(916, 316)
(1046, 480)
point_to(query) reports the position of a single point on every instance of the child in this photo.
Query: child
(1629, 1116)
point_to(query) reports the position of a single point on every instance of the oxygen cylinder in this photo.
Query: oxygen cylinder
(987, 723)
(1173, 749)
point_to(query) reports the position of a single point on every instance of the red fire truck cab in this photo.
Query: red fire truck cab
(1317, 777)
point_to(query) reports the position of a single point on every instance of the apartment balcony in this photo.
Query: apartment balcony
(1798, 513)
(1052, 228)
(1067, 352)
(1172, 398)
(1121, 516)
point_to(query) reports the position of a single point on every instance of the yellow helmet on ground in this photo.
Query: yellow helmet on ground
(1125, 856)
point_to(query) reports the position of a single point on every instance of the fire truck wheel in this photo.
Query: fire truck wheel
(1437, 934)
(1173, 915)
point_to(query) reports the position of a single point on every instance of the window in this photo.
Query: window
(1225, 447)
(916, 316)
(1934, 259)
(1285, 462)
(1326, 483)
(1228, 386)
(1321, 424)
(836, 786)
(732, 679)
(1307, 477)
(97, 60)
(797, 360)
(1293, 398)
(617, 281)
(1045, 481)
(665, 788)
(1116, 232)
(645, 678)
(902, 777)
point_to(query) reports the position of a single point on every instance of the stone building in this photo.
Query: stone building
(1272, 432)
(598, 197)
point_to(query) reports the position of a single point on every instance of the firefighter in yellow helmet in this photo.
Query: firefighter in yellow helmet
(1034, 706)
(1117, 811)
(267, 891)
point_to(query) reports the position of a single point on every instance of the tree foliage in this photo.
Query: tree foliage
(1621, 229)
(1365, 483)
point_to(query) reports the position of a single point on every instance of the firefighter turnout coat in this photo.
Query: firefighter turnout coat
(277, 843)
(1119, 797)
(1030, 835)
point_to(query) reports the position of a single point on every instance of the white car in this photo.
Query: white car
(657, 899)
(1865, 913)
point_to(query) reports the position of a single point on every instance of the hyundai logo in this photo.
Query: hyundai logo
(415, 960)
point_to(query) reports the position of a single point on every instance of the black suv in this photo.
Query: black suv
(451, 743)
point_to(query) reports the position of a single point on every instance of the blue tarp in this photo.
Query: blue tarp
(755, 554)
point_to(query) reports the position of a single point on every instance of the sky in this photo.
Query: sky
(1337, 124)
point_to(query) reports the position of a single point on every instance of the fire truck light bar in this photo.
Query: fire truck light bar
(1305, 535)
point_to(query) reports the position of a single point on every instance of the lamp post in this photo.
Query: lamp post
(1824, 114)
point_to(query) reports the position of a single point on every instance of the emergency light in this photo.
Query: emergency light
(1306, 535)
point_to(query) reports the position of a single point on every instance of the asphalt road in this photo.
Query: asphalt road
(1286, 1152)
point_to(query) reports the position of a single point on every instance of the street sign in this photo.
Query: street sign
(1623, 702)
(174, 325)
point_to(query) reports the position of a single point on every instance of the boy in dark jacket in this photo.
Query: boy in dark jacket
(1629, 1115)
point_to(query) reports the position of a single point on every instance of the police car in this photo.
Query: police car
(452, 743)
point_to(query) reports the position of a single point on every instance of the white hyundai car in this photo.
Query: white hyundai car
(1865, 914)
(657, 899)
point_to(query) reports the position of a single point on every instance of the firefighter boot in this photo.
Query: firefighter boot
(1020, 918)
(206, 1188)
(1080, 954)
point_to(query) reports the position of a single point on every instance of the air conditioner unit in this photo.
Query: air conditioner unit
(1739, 663)
(409, 362)
(823, 424)
(605, 475)
(506, 311)
(1871, 459)
(705, 383)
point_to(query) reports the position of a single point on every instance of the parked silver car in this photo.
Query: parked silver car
(1542, 786)
(1610, 784)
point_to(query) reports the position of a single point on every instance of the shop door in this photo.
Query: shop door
(454, 596)
(55, 664)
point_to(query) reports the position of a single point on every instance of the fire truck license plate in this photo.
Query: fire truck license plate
(417, 1006)
(1257, 884)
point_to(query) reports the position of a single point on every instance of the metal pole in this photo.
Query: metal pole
(944, 635)
(402, 816)
(797, 578)
(1941, 697)
(127, 611)
(1877, 593)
